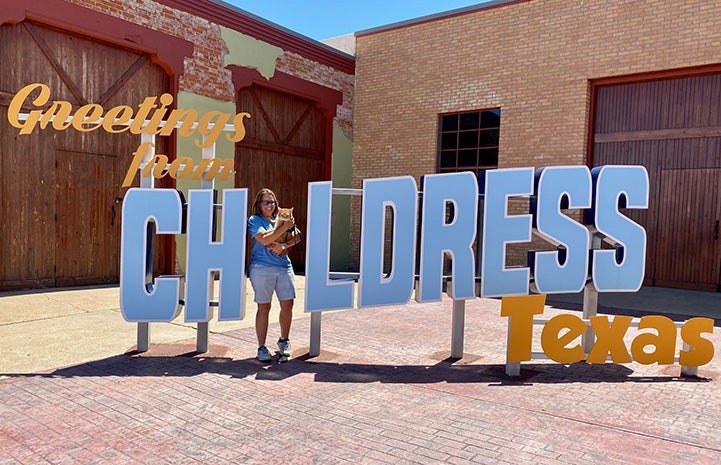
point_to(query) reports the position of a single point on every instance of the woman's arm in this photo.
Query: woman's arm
(278, 248)
(293, 241)
(269, 237)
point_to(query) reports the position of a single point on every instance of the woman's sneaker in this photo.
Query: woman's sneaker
(264, 354)
(284, 349)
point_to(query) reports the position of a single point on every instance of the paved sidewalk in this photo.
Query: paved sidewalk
(61, 327)
(383, 390)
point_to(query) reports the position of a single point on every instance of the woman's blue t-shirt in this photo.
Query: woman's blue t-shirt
(259, 253)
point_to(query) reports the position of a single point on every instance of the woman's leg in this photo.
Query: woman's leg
(261, 322)
(285, 318)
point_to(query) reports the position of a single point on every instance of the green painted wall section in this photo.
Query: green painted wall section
(341, 175)
(341, 170)
(186, 147)
(249, 52)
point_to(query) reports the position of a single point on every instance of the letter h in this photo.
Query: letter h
(206, 255)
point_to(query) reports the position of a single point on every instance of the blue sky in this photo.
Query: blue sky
(323, 19)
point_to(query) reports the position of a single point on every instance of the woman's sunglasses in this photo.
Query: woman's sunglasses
(267, 202)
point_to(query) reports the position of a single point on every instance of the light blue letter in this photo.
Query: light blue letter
(455, 238)
(320, 292)
(141, 300)
(401, 196)
(565, 269)
(500, 229)
(205, 254)
(621, 269)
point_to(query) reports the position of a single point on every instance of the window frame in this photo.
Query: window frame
(484, 124)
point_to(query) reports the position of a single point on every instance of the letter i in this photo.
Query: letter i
(154, 126)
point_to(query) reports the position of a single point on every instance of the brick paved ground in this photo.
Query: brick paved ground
(382, 391)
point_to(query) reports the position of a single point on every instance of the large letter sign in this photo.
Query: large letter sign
(447, 226)
(600, 192)
(206, 254)
(406, 238)
(500, 228)
(615, 187)
(322, 293)
(142, 297)
(399, 195)
(562, 330)
(455, 238)
(563, 270)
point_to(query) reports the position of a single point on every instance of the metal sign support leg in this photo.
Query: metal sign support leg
(458, 327)
(147, 182)
(315, 320)
(143, 337)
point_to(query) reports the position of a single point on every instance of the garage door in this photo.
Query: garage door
(284, 149)
(61, 196)
(673, 128)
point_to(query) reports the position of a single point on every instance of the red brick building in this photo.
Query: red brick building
(520, 83)
(61, 190)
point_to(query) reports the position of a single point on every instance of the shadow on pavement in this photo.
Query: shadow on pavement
(326, 371)
(636, 313)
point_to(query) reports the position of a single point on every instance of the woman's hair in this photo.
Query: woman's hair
(259, 196)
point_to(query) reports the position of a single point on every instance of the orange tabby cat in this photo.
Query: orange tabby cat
(286, 214)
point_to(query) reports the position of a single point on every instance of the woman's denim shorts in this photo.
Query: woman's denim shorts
(266, 279)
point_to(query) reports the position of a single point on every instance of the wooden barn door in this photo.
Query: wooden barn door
(689, 226)
(673, 128)
(61, 190)
(284, 150)
(86, 239)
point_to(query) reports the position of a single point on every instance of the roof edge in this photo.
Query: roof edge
(225, 14)
(436, 16)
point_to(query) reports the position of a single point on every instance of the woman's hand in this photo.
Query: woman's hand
(284, 225)
(276, 248)
(267, 238)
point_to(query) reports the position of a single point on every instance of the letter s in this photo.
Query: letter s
(621, 269)
(564, 269)
(239, 126)
(701, 350)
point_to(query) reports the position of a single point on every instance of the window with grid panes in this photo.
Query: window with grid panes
(468, 141)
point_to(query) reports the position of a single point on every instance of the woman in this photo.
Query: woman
(271, 271)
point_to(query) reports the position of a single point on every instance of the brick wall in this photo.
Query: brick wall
(532, 59)
(205, 73)
(298, 66)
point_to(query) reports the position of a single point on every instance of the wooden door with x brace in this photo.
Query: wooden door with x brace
(284, 149)
(61, 190)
